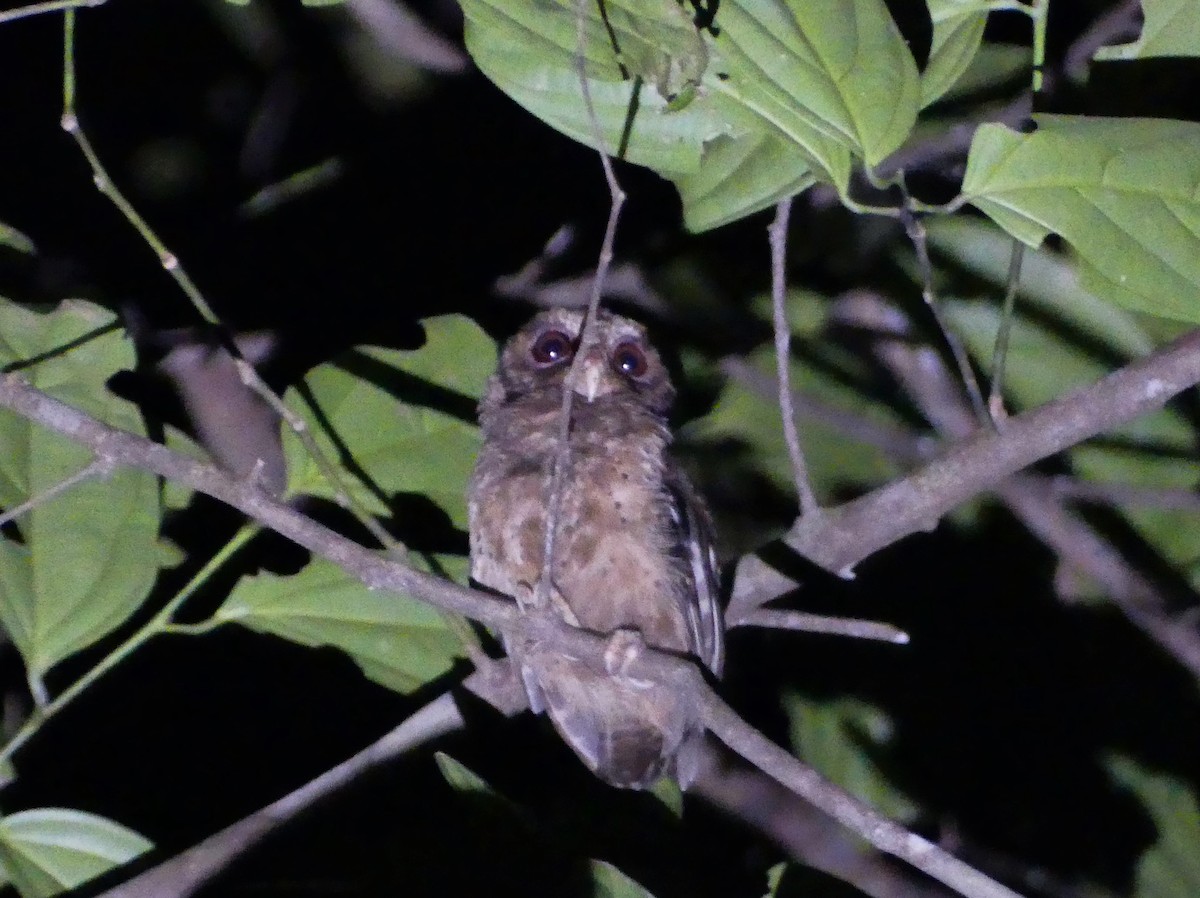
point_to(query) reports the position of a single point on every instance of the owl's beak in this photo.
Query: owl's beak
(591, 375)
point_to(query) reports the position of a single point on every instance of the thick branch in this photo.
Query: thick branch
(860, 528)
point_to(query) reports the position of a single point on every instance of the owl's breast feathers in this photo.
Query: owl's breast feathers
(619, 565)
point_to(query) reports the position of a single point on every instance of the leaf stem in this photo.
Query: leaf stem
(160, 623)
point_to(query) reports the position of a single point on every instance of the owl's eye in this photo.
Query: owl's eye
(551, 348)
(630, 360)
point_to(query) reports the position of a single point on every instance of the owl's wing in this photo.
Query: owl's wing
(695, 541)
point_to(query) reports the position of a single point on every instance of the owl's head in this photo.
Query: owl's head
(619, 363)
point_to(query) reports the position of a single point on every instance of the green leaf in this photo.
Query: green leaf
(461, 777)
(957, 35)
(741, 175)
(667, 791)
(10, 236)
(50, 850)
(1170, 868)
(837, 738)
(993, 66)
(1172, 28)
(405, 418)
(397, 641)
(529, 47)
(827, 74)
(609, 882)
(88, 558)
(1123, 192)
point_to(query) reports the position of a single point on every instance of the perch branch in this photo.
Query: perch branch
(381, 573)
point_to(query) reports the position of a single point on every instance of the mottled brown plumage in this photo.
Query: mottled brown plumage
(633, 547)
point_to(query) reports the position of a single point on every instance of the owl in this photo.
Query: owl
(633, 548)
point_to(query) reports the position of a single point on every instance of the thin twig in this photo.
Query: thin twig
(916, 234)
(802, 831)
(187, 872)
(1126, 494)
(587, 335)
(104, 183)
(143, 634)
(52, 6)
(877, 829)
(99, 466)
(777, 237)
(1117, 23)
(1000, 351)
(802, 621)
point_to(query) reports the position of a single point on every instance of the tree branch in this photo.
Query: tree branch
(862, 527)
(523, 629)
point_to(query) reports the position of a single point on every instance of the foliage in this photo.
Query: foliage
(768, 100)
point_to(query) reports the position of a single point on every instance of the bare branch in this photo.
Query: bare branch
(804, 622)
(97, 467)
(187, 872)
(1118, 23)
(1126, 494)
(843, 807)
(1032, 500)
(777, 233)
(522, 627)
(860, 528)
(1079, 545)
(916, 235)
(587, 335)
(803, 832)
(400, 31)
(35, 9)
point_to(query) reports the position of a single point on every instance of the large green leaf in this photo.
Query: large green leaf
(1123, 192)
(50, 850)
(529, 49)
(825, 73)
(1172, 28)
(741, 175)
(957, 33)
(836, 737)
(1170, 868)
(88, 558)
(397, 641)
(405, 419)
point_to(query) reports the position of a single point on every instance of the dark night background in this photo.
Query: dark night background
(1003, 704)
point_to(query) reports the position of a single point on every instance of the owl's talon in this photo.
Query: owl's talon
(624, 648)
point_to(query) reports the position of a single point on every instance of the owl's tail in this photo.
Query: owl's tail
(630, 737)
